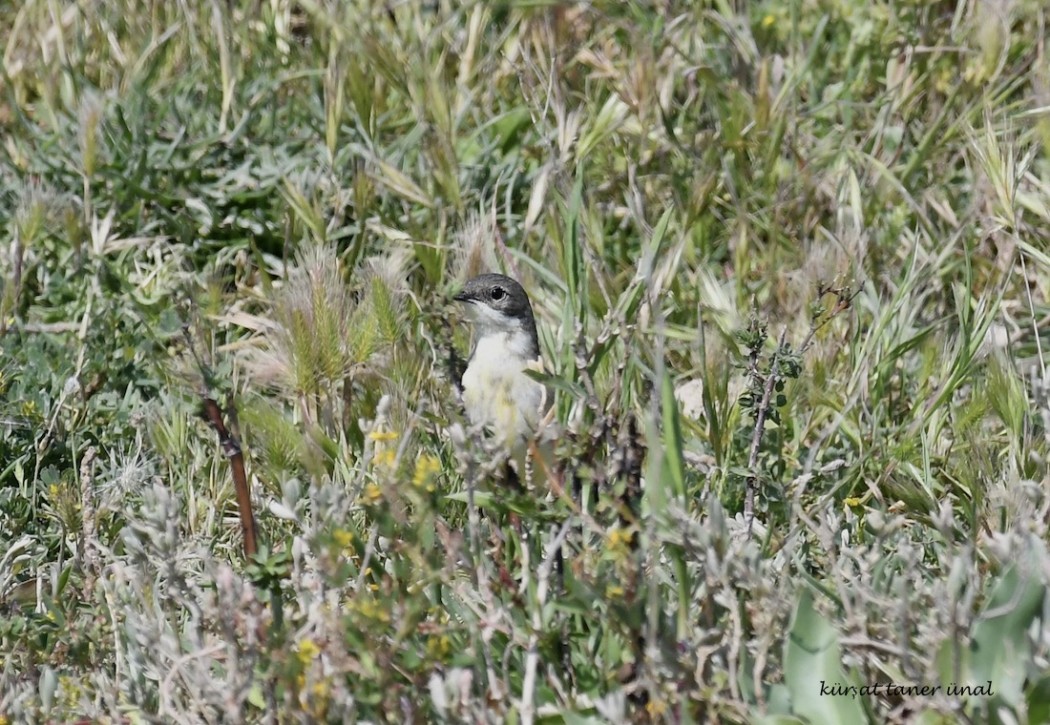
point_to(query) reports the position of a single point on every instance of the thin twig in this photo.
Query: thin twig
(231, 448)
(756, 436)
(543, 575)
(843, 300)
(88, 553)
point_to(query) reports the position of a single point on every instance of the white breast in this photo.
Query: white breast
(496, 391)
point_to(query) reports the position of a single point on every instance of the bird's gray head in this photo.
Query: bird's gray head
(498, 304)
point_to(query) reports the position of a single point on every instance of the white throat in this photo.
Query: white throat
(498, 337)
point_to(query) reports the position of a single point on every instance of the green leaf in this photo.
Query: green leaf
(572, 256)
(1039, 700)
(674, 462)
(481, 498)
(304, 210)
(604, 124)
(575, 390)
(812, 658)
(1000, 650)
(652, 252)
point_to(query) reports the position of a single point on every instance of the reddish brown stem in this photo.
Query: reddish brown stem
(231, 448)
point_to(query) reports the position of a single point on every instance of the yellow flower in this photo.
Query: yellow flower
(384, 453)
(308, 651)
(619, 540)
(427, 467)
(370, 609)
(385, 457)
(343, 537)
(438, 647)
(317, 702)
(372, 493)
(853, 501)
(321, 689)
(613, 591)
(69, 689)
(769, 20)
(656, 708)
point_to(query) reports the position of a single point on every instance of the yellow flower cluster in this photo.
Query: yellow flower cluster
(370, 609)
(656, 708)
(385, 458)
(307, 651)
(343, 537)
(618, 541)
(372, 494)
(427, 468)
(439, 647)
(385, 455)
(317, 701)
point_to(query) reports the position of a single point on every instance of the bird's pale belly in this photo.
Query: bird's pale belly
(504, 399)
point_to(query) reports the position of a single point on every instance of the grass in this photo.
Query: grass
(790, 268)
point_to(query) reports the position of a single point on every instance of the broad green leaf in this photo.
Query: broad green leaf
(812, 658)
(1000, 650)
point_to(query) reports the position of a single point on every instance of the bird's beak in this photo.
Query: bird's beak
(463, 296)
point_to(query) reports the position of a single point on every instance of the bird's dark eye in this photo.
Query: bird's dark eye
(498, 293)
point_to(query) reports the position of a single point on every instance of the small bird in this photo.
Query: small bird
(497, 394)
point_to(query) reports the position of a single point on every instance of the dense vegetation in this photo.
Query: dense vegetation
(790, 266)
